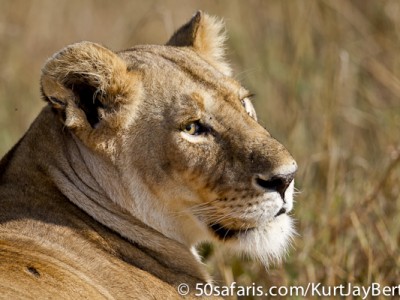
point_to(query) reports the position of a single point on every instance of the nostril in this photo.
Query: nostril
(277, 183)
(271, 184)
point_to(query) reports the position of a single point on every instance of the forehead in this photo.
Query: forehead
(182, 69)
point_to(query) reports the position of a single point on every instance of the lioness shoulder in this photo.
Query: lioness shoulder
(137, 157)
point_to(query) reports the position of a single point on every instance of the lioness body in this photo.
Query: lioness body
(139, 156)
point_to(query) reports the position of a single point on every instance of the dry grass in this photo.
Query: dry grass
(327, 79)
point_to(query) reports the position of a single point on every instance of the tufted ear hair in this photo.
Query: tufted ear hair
(206, 35)
(85, 81)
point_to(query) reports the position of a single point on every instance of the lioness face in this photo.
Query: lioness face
(211, 162)
(183, 137)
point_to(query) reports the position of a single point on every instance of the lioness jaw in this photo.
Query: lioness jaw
(138, 156)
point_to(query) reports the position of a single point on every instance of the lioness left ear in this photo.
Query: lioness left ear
(205, 34)
(84, 81)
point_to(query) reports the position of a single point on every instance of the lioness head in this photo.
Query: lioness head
(181, 137)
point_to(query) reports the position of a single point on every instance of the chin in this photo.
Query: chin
(268, 243)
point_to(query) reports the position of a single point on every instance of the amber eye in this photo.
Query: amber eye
(191, 128)
(194, 128)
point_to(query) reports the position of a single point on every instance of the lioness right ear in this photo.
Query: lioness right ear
(205, 35)
(85, 80)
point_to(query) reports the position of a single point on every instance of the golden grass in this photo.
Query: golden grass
(327, 79)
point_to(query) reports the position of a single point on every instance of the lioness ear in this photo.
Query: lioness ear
(85, 80)
(205, 34)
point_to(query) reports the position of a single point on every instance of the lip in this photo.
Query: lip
(224, 233)
(281, 212)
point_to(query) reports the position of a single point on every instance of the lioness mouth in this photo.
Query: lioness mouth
(280, 212)
(224, 233)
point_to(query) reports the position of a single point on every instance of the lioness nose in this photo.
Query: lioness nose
(278, 182)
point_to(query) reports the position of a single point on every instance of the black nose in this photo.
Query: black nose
(278, 183)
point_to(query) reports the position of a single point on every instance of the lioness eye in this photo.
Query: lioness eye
(193, 128)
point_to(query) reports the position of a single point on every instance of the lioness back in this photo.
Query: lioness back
(137, 157)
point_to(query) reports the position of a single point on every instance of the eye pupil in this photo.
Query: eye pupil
(192, 128)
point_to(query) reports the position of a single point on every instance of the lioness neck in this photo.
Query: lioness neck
(91, 183)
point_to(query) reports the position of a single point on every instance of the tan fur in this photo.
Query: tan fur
(107, 192)
(206, 37)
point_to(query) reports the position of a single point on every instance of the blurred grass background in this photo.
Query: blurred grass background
(327, 79)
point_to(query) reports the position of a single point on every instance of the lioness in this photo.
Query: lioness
(138, 156)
